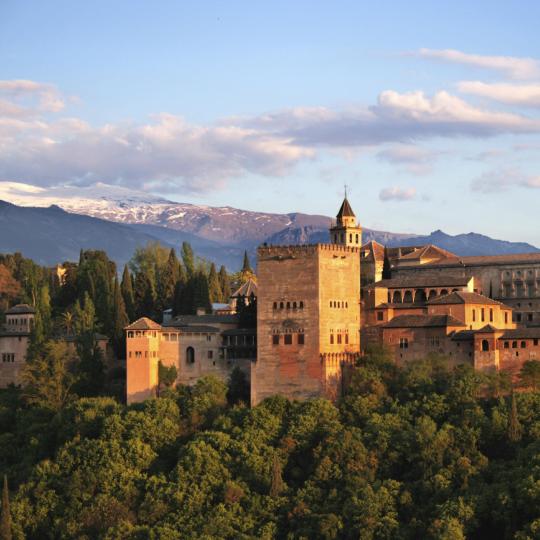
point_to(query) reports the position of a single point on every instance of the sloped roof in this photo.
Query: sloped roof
(20, 309)
(531, 332)
(345, 209)
(187, 320)
(461, 297)
(199, 329)
(488, 329)
(482, 260)
(144, 323)
(375, 251)
(427, 251)
(421, 281)
(463, 335)
(246, 289)
(423, 321)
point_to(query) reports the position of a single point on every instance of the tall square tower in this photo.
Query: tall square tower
(308, 320)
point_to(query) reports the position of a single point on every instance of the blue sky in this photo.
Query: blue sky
(430, 113)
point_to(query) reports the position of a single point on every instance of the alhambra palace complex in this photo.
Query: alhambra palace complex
(320, 306)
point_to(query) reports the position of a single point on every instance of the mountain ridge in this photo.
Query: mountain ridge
(219, 234)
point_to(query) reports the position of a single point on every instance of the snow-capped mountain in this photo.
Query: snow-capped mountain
(219, 234)
(223, 224)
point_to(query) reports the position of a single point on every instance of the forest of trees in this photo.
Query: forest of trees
(420, 452)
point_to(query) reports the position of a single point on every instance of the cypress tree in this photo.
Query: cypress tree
(514, 427)
(387, 268)
(127, 293)
(214, 287)
(246, 266)
(201, 294)
(167, 282)
(188, 259)
(144, 296)
(224, 284)
(5, 518)
(120, 319)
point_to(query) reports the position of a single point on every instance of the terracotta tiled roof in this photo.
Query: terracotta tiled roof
(345, 210)
(20, 309)
(375, 251)
(187, 320)
(423, 321)
(488, 329)
(427, 251)
(144, 323)
(484, 260)
(461, 297)
(532, 332)
(463, 335)
(421, 281)
(199, 329)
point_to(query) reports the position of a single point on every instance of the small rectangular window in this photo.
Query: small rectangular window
(300, 339)
(380, 315)
(331, 339)
(288, 339)
(210, 355)
(275, 339)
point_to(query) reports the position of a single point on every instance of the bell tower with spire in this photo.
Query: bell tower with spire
(346, 231)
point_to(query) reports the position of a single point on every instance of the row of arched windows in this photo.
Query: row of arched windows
(289, 305)
(338, 304)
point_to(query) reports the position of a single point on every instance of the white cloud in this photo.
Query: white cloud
(512, 66)
(497, 181)
(513, 94)
(21, 90)
(397, 194)
(167, 153)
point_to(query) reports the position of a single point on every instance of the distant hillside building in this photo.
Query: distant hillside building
(196, 345)
(14, 340)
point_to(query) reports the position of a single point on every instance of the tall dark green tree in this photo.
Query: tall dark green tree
(387, 267)
(5, 517)
(120, 320)
(127, 293)
(246, 266)
(276, 481)
(201, 293)
(166, 283)
(214, 287)
(144, 295)
(225, 284)
(188, 258)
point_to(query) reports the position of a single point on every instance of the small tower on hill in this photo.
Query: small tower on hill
(346, 231)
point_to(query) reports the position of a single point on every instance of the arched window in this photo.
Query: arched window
(350, 238)
(514, 344)
(275, 305)
(288, 305)
(523, 344)
(407, 299)
(443, 292)
(301, 304)
(281, 305)
(294, 305)
(485, 345)
(190, 355)
(357, 239)
(396, 299)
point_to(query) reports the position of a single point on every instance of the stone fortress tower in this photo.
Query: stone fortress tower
(308, 314)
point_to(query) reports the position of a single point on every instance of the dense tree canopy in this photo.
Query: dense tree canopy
(421, 452)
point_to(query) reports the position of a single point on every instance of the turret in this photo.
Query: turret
(346, 231)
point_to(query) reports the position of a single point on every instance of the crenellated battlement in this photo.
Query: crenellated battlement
(292, 250)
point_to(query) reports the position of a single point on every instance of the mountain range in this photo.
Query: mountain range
(50, 225)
